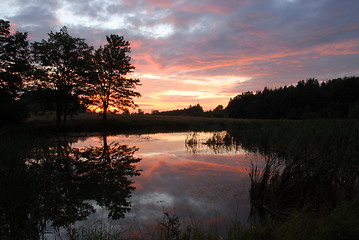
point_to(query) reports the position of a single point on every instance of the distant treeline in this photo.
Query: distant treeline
(194, 111)
(337, 98)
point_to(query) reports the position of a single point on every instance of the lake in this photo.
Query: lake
(190, 175)
(277, 174)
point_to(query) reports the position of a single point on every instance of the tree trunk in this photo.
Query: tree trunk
(106, 151)
(65, 113)
(65, 118)
(104, 113)
(58, 114)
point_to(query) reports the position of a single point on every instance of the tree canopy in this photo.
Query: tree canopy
(64, 60)
(14, 70)
(109, 84)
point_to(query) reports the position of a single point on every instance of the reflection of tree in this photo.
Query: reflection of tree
(219, 142)
(57, 183)
(106, 172)
(18, 214)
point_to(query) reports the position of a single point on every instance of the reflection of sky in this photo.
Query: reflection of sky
(206, 188)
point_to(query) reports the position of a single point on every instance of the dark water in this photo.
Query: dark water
(127, 183)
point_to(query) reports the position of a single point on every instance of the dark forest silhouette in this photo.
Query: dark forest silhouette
(337, 98)
(195, 110)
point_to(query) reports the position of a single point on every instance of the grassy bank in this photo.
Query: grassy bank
(90, 122)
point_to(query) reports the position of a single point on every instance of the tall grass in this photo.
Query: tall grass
(310, 180)
(340, 224)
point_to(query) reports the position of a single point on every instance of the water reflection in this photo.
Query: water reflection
(201, 177)
(208, 188)
(218, 142)
(55, 183)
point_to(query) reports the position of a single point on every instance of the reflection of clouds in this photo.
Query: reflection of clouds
(193, 188)
(156, 197)
(217, 191)
(208, 188)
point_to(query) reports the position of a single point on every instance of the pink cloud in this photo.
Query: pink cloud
(342, 48)
(217, 7)
(160, 3)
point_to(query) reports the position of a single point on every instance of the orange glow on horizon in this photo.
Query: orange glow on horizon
(179, 84)
(97, 109)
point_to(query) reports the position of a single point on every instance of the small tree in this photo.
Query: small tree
(196, 110)
(110, 86)
(218, 111)
(64, 59)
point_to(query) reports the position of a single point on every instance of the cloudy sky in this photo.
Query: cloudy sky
(207, 51)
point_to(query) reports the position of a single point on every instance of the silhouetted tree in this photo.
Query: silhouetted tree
(14, 68)
(64, 59)
(110, 86)
(195, 110)
(219, 112)
(42, 100)
(140, 112)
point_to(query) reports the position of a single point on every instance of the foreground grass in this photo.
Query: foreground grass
(341, 224)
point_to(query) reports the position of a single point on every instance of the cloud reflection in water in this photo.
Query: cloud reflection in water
(207, 188)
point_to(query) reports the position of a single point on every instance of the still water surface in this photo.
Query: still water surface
(183, 174)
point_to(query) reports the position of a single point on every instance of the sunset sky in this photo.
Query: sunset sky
(207, 51)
